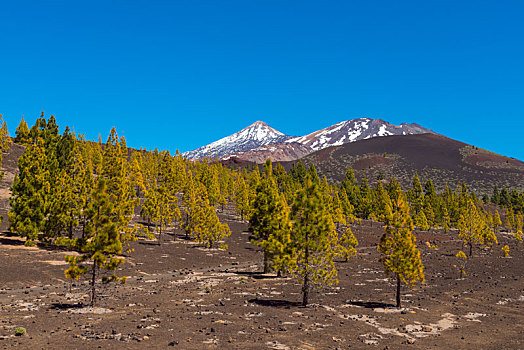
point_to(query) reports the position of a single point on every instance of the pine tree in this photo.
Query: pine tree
(279, 244)
(400, 254)
(365, 204)
(415, 195)
(337, 210)
(168, 211)
(206, 228)
(420, 221)
(350, 186)
(242, 204)
(509, 220)
(266, 209)
(22, 134)
(382, 201)
(28, 196)
(519, 229)
(347, 244)
(190, 206)
(445, 219)
(313, 232)
(473, 228)
(5, 144)
(496, 221)
(102, 245)
(462, 265)
(116, 171)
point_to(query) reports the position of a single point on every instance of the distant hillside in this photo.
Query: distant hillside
(430, 155)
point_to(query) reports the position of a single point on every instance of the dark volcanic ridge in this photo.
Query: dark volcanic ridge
(432, 156)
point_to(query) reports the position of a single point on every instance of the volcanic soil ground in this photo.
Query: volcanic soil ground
(184, 296)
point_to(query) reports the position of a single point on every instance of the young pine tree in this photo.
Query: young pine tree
(242, 203)
(22, 134)
(265, 218)
(102, 245)
(473, 228)
(279, 244)
(346, 244)
(400, 254)
(313, 232)
(206, 228)
(29, 190)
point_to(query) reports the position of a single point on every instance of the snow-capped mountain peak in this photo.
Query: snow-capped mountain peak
(255, 135)
(355, 130)
(248, 143)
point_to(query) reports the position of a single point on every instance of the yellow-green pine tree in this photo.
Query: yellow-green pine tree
(22, 134)
(279, 244)
(347, 244)
(266, 208)
(399, 253)
(29, 191)
(101, 249)
(313, 232)
(473, 228)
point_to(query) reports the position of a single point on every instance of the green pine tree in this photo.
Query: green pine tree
(102, 246)
(313, 234)
(399, 253)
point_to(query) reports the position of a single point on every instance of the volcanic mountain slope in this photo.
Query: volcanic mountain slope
(256, 135)
(335, 135)
(277, 152)
(432, 156)
(356, 130)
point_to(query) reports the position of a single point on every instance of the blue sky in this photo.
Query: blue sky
(180, 74)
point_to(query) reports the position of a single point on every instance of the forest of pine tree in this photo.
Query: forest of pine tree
(97, 197)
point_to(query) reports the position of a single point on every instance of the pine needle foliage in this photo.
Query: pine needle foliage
(399, 253)
(314, 236)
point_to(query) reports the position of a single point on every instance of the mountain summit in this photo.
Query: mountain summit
(251, 143)
(356, 130)
(256, 135)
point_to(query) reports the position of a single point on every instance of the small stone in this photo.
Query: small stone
(173, 343)
(426, 329)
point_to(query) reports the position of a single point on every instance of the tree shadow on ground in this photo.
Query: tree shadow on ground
(255, 275)
(371, 304)
(155, 243)
(276, 303)
(11, 241)
(66, 306)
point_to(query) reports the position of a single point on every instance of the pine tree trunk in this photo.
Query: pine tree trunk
(71, 227)
(84, 228)
(398, 291)
(266, 262)
(93, 279)
(305, 287)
